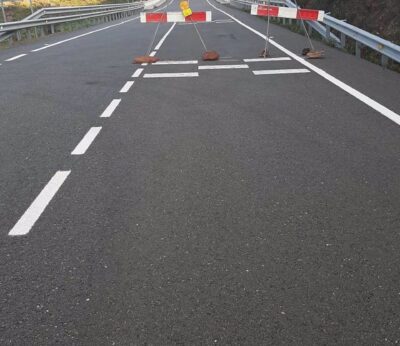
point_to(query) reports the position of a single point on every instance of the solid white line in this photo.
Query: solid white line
(137, 73)
(350, 90)
(164, 37)
(177, 62)
(94, 31)
(222, 67)
(267, 59)
(126, 87)
(16, 57)
(153, 53)
(110, 108)
(82, 35)
(86, 141)
(286, 71)
(170, 75)
(145, 64)
(32, 214)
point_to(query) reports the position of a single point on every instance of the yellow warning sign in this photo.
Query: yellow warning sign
(184, 5)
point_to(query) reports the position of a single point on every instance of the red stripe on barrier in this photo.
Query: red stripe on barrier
(271, 11)
(156, 17)
(307, 14)
(197, 17)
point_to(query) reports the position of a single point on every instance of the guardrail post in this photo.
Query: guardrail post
(52, 28)
(18, 34)
(328, 33)
(358, 49)
(342, 40)
(384, 60)
(310, 29)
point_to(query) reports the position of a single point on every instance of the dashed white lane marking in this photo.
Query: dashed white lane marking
(164, 37)
(32, 214)
(286, 71)
(223, 21)
(222, 67)
(144, 64)
(171, 75)
(137, 73)
(126, 87)
(86, 141)
(177, 62)
(347, 88)
(153, 53)
(15, 57)
(110, 108)
(267, 59)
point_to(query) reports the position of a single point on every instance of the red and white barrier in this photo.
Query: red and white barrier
(175, 17)
(285, 12)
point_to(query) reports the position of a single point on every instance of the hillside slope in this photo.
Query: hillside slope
(380, 17)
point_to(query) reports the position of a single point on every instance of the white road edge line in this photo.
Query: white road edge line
(287, 71)
(82, 35)
(110, 108)
(222, 67)
(177, 62)
(171, 75)
(86, 141)
(32, 214)
(267, 59)
(137, 73)
(159, 44)
(347, 88)
(153, 53)
(94, 31)
(126, 87)
(15, 57)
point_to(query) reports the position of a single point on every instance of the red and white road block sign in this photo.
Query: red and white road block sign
(285, 12)
(175, 17)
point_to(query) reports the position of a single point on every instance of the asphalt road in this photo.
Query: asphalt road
(228, 208)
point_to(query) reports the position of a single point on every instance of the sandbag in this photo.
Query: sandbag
(145, 59)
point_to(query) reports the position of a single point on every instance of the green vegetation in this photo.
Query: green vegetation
(18, 10)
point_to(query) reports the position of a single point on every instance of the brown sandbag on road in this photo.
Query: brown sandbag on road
(145, 59)
(210, 55)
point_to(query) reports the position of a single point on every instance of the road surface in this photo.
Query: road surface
(222, 207)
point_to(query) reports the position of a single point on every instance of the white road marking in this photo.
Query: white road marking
(82, 35)
(126, 87)
(86, 141)
(32, 214)
(177, 62)
(170, 75)
(267, 59)
(144, 64)
(347, 88)
(222, 67)
(137, 73)
(94, 31)
(153, 53)
(15, 57)
(286, 71)
(223, 21)
(164, 37)
(110, 108)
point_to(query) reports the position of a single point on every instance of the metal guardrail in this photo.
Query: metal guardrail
(387, 49)
(50, 16)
